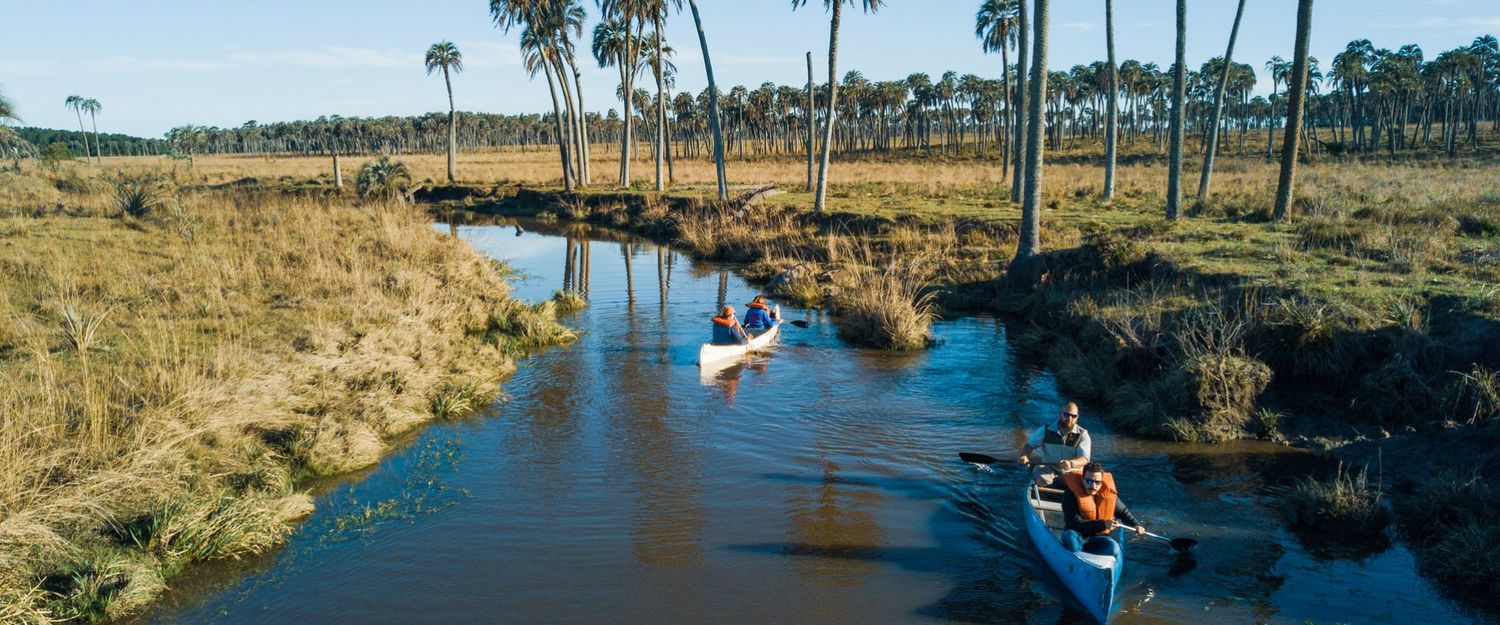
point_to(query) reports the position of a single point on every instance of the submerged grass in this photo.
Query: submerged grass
(1347, 504)
(165, 379)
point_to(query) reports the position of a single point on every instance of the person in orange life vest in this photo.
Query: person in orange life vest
(758, 316)
(727, 330)
(1092, 507)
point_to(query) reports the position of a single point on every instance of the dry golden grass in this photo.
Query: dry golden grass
(163, 380)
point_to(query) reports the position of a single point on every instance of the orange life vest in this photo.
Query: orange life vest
(727, 322)
(1098, 507)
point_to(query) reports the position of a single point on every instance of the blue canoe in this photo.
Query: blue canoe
(1090, 577)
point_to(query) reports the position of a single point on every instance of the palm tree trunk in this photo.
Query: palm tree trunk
(452, 132)
(661, 131)
(1009, 113)
(583, 124)
(85, 134)
(338, 173)
(557, 115)
(98, 149)
(575, 153)
(833, 94)
(625, 123)
(1112, 107)
(811, 114)
(1031, 210)
(1179, 89)
(1296, 94)
(1018, 181)
(713, 106)
(1213, 120)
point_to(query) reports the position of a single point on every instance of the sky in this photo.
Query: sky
(156, 64)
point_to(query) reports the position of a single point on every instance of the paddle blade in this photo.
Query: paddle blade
(801, 323)
(1184, 545)
(977, 458)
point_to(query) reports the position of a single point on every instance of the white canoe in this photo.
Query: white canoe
(711, 355)
(1089, 577)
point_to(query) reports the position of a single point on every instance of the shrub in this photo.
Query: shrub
(568, 302)
(1346, 504)
(384, 179)
(1475, 396)
(1447, 520)
(138, 195)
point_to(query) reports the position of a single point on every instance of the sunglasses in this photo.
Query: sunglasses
(1070, 415)
(1090, 482)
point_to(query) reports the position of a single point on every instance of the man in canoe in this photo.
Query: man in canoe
(758, 316)
(1092, 507)
(1058, 448)
(727, 329)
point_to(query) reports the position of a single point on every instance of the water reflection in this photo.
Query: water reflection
(813, 485)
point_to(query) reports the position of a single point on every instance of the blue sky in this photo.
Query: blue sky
(155, 64)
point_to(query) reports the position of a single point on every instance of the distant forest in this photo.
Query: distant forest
(110, 144)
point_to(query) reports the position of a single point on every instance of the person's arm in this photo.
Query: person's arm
(1032, 444)
(1122, 513)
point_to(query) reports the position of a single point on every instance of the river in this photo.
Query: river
(817, 484)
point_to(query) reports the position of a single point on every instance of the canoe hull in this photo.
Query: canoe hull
(711, 355)
(1091, 579)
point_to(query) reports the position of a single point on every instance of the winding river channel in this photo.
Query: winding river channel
(818, 484)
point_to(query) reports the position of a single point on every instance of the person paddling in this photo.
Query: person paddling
(1059, 448)
(758, 317)
(727, 329)
(1092, 510)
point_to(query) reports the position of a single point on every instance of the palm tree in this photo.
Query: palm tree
(1031, 209)
(92, 107)
(7, 109)
(629, 14)
(1296, 95)
(870, 6)
(614, 46)
(657, 10)
(1112, 116)
(75, 103)
(534, 51)
(995, 26)
(188, 139)
(1212, 144)
(545, 23)
(1179, 90)
(713, 104)
(445, 56)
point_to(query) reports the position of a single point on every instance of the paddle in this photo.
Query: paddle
(1181, 545)
(801, 323)
(976, 458)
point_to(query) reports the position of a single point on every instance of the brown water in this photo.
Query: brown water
(818, 484)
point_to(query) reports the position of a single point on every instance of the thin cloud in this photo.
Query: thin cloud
(331, 57)
(1083, 26)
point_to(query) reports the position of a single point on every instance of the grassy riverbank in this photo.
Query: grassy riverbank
(166, 378)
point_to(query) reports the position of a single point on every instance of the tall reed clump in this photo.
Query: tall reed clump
(165, 380)
(1448, 522)
(882, 302)
(1346, 503)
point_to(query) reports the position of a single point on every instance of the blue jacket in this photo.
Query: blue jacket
(757, 318)
(727, 335)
